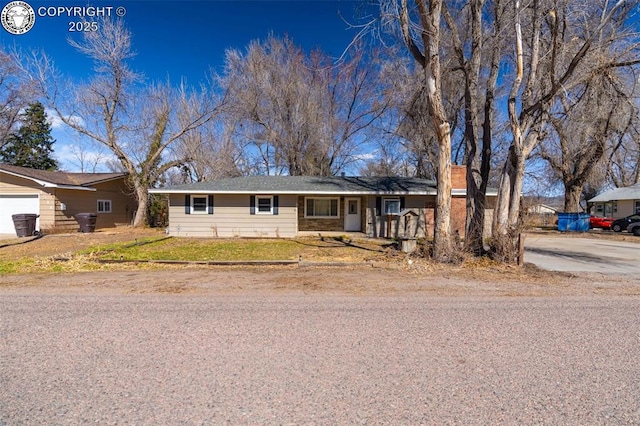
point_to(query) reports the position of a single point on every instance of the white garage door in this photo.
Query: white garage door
(16, 204)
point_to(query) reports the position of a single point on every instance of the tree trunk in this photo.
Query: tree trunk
(442, 248)
(572, 195)
(142, 196)
(507, 210)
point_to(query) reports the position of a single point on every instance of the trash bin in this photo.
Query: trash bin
(87, 221)
(577, 222)
(25, 224)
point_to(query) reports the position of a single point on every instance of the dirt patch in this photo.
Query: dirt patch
(399, 274)
(63, 244)
(356, 281)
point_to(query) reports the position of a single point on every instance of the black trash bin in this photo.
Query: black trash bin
(87, 221)
(25, 224)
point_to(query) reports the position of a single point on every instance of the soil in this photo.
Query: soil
(401, 275)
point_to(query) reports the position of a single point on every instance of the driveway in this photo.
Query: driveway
(577, 254)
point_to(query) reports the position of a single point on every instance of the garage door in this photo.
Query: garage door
(16, 204)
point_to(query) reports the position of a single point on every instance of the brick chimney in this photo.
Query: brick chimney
(458, 177)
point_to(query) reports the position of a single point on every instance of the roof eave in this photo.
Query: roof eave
(246, 192)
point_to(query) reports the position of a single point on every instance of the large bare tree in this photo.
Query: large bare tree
(588, 128)
(16, 92)
(138, 123)
(302, 114)
(419, 26)
(477, 42)
(559, 44)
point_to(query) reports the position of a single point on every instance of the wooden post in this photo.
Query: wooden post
(520, 249)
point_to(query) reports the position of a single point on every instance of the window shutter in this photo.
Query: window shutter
(252, 204)
(187, 204)
(378, 206)
(210, 204)
(275, 204)
(402, 203)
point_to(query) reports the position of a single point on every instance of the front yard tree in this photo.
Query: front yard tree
(419, 25)
(139, 124)
(559, 45)
(32, 145)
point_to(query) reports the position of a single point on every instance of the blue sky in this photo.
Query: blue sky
(184, 39)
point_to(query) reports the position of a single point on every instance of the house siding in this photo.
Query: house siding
(123, 205)
(77, 201)
(14, 185)
(232, 218)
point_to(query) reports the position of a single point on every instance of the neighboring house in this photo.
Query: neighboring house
(58, 196)
(285, 206)
(616, 203)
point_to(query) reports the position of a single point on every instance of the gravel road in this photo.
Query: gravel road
(318, 359)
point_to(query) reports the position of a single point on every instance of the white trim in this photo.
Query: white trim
(264, 197)
(322, 198)
(206, 203)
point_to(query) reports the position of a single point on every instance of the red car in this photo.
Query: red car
(601, 222)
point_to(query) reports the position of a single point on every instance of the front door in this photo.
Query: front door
(352, 221)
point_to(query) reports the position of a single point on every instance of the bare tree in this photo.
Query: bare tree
(303, 115)
(477, 45)
(590, 123)
(87, 158)
(137, 123)
(16, 93)
(567, 42)
(623, 168)
(211, 153)
(419, 26)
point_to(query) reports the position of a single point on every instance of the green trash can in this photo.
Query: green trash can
(25, 224)
(87, 221)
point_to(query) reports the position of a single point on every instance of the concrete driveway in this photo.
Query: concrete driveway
(578, 254)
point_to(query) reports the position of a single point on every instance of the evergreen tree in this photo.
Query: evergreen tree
(32, 145)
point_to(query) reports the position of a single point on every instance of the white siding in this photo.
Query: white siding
(231, 218)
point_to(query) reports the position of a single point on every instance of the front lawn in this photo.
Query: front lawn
(197, 249)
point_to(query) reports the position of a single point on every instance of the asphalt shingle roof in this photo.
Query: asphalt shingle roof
(308, 184)
(627, 193)
(61, 178)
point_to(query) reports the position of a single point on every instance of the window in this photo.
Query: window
(264, 205)
(391, 206)
(637, 207)
(199, 204)
(104, 206)
(322, 207)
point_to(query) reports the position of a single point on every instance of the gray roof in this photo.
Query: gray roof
(627, 193)
(307, 185)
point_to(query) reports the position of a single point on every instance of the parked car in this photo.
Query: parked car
(600, 222)
(623, 223)
(634, 228)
